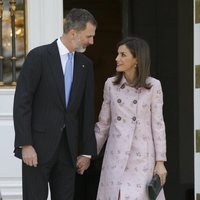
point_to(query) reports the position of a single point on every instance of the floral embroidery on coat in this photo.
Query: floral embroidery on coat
(131, 120)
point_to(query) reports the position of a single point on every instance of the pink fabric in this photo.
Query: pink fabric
(132, 121)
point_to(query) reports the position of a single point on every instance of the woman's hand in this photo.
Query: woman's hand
(161, 171)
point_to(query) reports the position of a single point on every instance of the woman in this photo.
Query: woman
(131, 121)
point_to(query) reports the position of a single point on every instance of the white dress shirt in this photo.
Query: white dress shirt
(63, 51)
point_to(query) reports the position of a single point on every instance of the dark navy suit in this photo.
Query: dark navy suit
(42, 120)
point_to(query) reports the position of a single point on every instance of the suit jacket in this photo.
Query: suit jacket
(40, 113)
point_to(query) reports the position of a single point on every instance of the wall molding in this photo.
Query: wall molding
(7, 91)
(11, 188)
(6, 116)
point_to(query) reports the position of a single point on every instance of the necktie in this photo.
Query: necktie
(68, 77)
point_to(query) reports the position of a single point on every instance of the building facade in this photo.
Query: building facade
(172, 29)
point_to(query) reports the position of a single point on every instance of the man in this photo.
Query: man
(54, 112)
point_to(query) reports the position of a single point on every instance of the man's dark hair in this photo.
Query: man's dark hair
(77, 19)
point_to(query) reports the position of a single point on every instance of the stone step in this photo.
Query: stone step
(11, 190)
(12, 194)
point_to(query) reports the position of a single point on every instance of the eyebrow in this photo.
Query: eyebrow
(90, 35)
(122, 52)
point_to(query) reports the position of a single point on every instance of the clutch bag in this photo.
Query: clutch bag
(154, 187)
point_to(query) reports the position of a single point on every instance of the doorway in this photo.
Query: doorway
(108, 34)
(168, 28)
(108, 14)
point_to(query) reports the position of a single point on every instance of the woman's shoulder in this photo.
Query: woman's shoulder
(110, 80)
(152, 81)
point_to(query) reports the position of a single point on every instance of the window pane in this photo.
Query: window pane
(7, 38)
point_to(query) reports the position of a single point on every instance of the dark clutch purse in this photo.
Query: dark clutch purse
(154, 187)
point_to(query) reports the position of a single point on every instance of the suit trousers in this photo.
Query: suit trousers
(59, 173)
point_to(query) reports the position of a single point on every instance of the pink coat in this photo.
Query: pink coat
(131, 120)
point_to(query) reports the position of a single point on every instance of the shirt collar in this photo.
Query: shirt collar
(61, 47)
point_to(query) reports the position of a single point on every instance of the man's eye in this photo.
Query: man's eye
(123, 55)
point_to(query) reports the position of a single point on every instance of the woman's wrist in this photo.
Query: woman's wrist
(160, 161)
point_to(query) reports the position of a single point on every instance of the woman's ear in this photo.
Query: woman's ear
(136, 64)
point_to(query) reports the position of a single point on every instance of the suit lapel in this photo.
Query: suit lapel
(57, 72)
(77, 75)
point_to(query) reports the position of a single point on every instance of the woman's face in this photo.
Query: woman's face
(125, 60)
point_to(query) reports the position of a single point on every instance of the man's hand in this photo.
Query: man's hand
(29, 156)
(82, 164)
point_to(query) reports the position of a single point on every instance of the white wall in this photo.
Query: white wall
(196, 104)
(10, 168)
(45, 21)
(44, 25)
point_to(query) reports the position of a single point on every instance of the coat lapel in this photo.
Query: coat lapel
(57, 72)
(77, 75)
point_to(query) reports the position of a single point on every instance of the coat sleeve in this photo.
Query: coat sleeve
(24, 94)
(158, 125)
(102, 127)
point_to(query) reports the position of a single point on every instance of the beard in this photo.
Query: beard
(78, 47)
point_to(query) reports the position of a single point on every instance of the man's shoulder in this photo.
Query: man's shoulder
(83, 57)
(43, 48)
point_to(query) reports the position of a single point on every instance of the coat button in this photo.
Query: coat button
(134, 118)
(119, 100)
(62, 128)
(119, 118)
(134, 101)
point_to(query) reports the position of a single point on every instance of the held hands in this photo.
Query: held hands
(161, 171)
(29, 156)
(82, 164)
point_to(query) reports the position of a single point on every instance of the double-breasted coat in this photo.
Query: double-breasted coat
(131, 120)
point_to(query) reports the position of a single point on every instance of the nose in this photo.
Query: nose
(117, 58)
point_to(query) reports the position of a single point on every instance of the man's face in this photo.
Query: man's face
(84, 38)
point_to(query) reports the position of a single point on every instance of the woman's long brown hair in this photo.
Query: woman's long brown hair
(140, 50)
